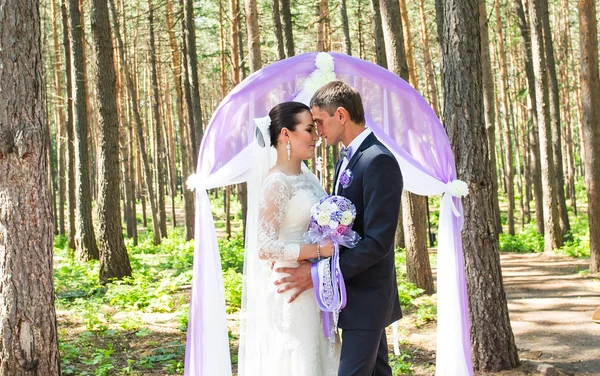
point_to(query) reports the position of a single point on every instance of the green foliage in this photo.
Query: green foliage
(400, 364)
(232, 253)
(233, 290)
(577, 241)
(527, 241)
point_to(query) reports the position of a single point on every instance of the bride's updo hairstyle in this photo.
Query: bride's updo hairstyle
(284, 115)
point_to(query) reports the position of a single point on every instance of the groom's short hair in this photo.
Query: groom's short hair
(339, 94)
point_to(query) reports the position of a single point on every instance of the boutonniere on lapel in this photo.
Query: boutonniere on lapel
(346, 178)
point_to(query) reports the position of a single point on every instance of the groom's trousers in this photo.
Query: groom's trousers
(364, 353)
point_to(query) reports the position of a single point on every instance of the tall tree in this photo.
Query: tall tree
(60, 121)
(143, 151)
(554, 101)
(85, 239)
(28, 333)
(70, 157)
(535, 163)
(553, 237)
(253, 35)
(286, 22)
(590, 90)
(413, 206)
(492, 340)
(159, 158)
(380, 54)
(279, 43)
(184, 138)
(345, 28)
(195, 124)
(114, 261)
(490, 109)
(430, 80)
(508, 155)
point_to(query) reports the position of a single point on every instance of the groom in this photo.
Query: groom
(368, 175)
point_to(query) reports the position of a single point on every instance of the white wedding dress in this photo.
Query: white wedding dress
(286, 338)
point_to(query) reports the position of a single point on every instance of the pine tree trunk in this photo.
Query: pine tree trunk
(590, 90)
(85, 239)
(413, 206)
(60, 124)
(253, 35)
(279, 43)
(345, 28)
(490, 110)
(286, 22)
(28, 332)
(70, 158)
(535, 166)
(184, 143)
(429, 72)
(143, 151)
(159, 158)
(380, 54)
(195, 124)
(492, 340)
(555, 124)
(114, 261)
(508, 163)
(410, 60)
(553, 237)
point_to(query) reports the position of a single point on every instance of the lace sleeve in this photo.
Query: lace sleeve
(273, 202)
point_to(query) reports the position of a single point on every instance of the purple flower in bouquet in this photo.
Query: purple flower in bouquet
(332, 217)
(346, 178)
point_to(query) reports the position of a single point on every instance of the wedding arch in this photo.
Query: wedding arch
(400, 118)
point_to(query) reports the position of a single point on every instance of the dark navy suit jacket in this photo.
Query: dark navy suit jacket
(369, 269)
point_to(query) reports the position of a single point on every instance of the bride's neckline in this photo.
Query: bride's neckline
(286, 175)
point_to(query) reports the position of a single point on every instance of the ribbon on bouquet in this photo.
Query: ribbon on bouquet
(330, 290)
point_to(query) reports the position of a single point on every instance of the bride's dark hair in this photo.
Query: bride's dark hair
(285, 115)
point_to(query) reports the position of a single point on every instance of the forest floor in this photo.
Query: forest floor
(551, 300)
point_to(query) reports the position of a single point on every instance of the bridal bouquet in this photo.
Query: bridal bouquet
(331, 218)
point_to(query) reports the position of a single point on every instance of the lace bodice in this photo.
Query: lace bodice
(284, 213)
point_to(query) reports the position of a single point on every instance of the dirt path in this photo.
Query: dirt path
(551, 306)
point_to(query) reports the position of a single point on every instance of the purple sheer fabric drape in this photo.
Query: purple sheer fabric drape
(401, 118)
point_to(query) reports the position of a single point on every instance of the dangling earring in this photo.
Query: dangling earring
(289, 150)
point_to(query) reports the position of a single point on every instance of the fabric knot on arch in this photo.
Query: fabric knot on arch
(398, 116)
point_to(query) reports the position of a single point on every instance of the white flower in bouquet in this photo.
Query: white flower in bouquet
(333, 224)
(323, 219)
(347, 218)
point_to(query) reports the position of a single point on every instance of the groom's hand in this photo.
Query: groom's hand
(299, 278)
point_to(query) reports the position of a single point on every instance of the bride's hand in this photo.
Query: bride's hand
(326, 248)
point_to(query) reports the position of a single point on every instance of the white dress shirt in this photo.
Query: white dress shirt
(354, 146)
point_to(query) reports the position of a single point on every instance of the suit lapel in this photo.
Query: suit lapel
(370, 140)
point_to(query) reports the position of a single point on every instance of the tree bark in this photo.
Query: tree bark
(429, 72)
(345, 28)
(380, 54)
(490, 110)
(508, 163)
(492, 340)
(286, 23)
(159, 158)
(414, 207)
(410, 60)
(553, 237)
(195, 124)
(114, 261)
(28, 334)
(590, 90)
(85, 239)
(555, 125)
(184, 143)
(143, 151)
(535, 166)
(253, 35)
(279, 43)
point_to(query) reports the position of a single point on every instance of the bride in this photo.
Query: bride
(278, 337)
